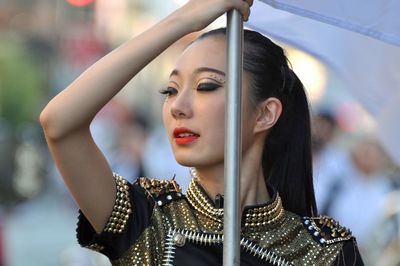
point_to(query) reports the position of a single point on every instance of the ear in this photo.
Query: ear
(268, 114)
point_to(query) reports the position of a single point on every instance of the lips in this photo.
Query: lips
(184, 136)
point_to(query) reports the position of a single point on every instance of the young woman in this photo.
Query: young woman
(151, 222)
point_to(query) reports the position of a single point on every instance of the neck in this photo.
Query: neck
(253, 189)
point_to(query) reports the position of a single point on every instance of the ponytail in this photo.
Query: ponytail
(287, 159)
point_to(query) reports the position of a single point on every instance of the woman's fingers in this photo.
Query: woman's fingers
(243, 6)
(200, 13)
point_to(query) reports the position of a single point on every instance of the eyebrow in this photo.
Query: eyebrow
(176, 72)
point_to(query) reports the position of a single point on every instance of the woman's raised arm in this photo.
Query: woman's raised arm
(67, 116)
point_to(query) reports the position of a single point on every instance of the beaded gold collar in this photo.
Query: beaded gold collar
(253, 216)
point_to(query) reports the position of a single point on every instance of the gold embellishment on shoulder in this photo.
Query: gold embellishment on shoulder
(156, 187)
(122, 208)
(326, 229)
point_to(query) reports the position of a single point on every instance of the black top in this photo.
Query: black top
(153, 223)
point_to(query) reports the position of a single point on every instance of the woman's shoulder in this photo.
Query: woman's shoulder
(162, 191)
(327, 237)
(326, 230)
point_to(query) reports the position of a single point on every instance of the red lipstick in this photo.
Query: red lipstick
(184, 136)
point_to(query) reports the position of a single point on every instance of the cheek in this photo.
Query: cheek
(217, 123)
(213, 108)
(212, 116)
(166, 114)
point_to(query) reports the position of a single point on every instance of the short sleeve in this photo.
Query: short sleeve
(350, 255)
(130, 216)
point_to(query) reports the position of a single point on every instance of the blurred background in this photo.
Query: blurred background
(46, 44)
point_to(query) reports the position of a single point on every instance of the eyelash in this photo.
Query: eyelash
(169, 91)
(205, 86)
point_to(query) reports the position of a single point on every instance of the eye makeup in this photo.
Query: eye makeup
(208, 86)
(168, 91)
(217, 78)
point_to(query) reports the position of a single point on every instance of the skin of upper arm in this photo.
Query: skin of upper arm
(87, 175)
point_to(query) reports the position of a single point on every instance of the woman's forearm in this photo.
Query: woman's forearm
(75, 107)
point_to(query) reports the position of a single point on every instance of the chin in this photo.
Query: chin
(188, 159)
(197, 161)
(182, 160)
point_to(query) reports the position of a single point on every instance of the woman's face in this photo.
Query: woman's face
(194, 110)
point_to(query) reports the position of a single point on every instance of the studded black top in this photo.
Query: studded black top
(153, 223)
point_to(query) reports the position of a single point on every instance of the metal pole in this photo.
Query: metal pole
(233, 143)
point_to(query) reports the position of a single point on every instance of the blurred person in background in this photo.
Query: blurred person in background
(121, 133)
(330, 162)
(360, 202)
(358, 187)
(384, 244)
(150, 222)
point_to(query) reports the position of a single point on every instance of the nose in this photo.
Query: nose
(182, 105)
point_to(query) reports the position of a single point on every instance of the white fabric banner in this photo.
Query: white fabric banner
(370, 68)
(379, 19)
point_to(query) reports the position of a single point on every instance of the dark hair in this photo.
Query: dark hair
(287, 159)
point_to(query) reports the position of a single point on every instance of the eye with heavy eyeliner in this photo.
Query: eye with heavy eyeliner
(168, 91)
(208, 86)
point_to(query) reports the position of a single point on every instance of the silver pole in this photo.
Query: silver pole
(233, 143)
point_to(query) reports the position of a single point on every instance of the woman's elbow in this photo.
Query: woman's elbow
(58, 125)
(50, 125)
(45, 122)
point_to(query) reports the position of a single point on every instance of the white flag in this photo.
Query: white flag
(370, 68)
(376, 18)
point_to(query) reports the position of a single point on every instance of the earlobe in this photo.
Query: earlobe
(269, 112)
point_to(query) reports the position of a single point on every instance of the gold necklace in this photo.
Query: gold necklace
(268, 214)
